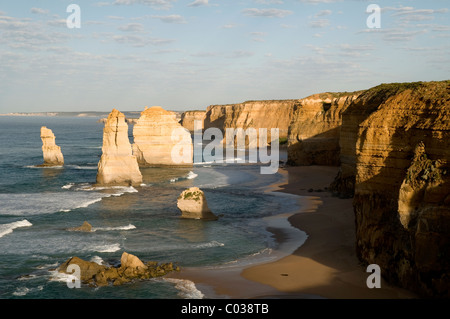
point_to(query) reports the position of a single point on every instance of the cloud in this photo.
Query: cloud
(269, 13)
(57, 23)
(157, 4)
(320, 23)
(39, 11)
(319, 1)
(198, 3)
(241, 54)
(269, 1)
(395, 34)
(139, 41)
(132, 27)
(407, 14)
(173, 18)
(229, 26)
(323, 13)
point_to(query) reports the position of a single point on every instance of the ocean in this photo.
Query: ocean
(38, 205)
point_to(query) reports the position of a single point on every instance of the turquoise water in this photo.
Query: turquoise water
(37, 205)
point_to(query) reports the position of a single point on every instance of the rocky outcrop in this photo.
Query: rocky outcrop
(188, 119)
(86, 227)
(159, 140)
(395, 158)
(51, 152)
(117, 165)
(131, 268)
(192, 204)
(252, 114)
(315, 129)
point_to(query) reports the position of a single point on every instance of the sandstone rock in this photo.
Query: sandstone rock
(402, 223)
(117, 166)
(131, 261)
(251, 114)
(132, 268)
(192, 203)
(88, 269)
(188, 119)
(159, 140)
(315, 129)
(86, 227)
(51, 152)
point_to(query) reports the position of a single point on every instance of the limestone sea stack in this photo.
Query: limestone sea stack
(117, 165)
(51, 152)
(159, 140)
(192, 203)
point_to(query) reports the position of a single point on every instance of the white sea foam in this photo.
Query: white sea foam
(38, 166)
(191, 175)
(23, 291)
(68, 186)
(81, 167)
(97, 260)
(186, 288)
(55, 275)
(46, 203)
(6, 229)
(210, 244)
(106, 248)
(128, 227)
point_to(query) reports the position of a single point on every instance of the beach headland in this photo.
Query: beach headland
(324, 266)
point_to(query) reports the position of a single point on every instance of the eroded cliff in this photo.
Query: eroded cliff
(252, 114)
(315, 129)
(395, 159)
(188, 119)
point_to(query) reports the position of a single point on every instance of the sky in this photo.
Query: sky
(187, 55)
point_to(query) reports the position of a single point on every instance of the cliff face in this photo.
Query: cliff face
(189, 117)
(395, 158)
(117, 166)
(315, 129)
(51, 152)
(252, 114)
(159, 139)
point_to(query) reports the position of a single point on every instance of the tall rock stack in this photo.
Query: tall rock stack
(117, 165)
(51, 152)
(159, 140)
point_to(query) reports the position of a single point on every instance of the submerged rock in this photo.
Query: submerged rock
(131, 268)
(51, 152)
(86, 227)
(192, 203)
(117, 165)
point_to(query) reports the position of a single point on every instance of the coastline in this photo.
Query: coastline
(323, 266)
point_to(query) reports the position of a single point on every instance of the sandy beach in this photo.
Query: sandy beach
(325, 266)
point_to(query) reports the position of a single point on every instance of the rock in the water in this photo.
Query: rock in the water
(117, 165)
(51, 152)
(86, 227)
(88, 269)
(131, 268)
(131, 261)
(159, 140)
(192, 203)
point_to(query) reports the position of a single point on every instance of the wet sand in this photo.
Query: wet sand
(325, 266)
